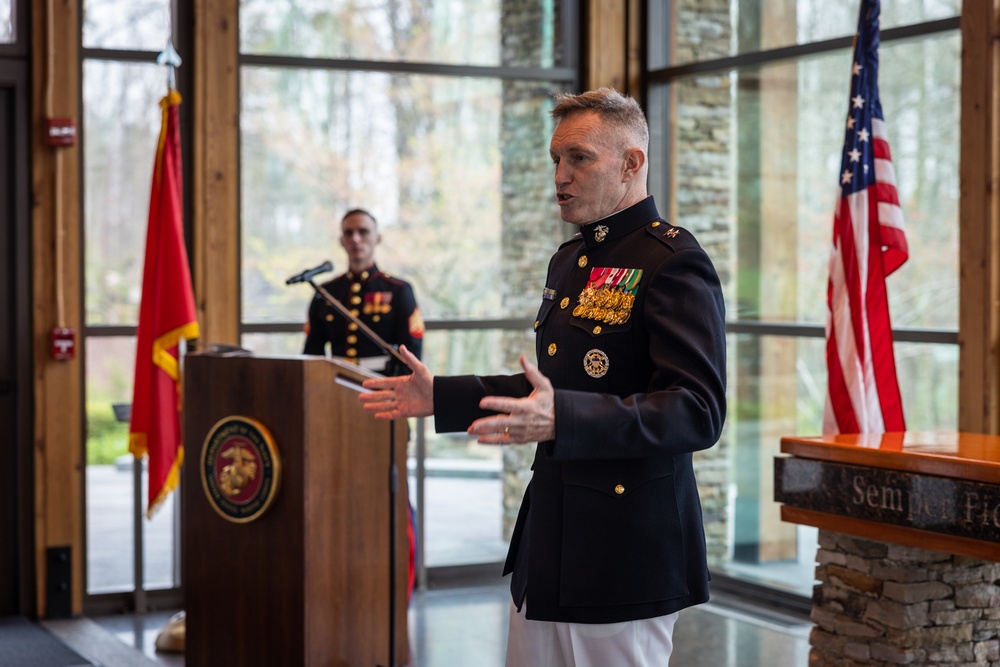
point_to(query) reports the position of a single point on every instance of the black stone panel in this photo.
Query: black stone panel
(944, 505)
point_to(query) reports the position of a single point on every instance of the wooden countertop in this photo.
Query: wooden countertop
(968, 456)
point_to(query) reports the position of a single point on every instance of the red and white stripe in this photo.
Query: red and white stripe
(869, 243)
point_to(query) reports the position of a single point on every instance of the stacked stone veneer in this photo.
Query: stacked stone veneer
(702, 203)
(531, 230)
(880, 604)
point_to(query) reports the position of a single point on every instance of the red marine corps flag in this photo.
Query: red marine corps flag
(166, 315)
(868, 244)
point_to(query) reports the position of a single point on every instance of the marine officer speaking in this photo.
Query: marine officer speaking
(630, 381)
(383, 302)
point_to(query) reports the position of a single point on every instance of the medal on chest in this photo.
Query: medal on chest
(609, 295)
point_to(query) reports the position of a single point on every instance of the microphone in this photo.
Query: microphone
(309, 274)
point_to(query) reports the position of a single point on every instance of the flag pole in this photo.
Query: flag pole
(171, 60)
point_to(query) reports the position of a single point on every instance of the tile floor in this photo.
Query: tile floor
(449, 626)
(457, 627)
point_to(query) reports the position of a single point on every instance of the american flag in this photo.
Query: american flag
(869, 243)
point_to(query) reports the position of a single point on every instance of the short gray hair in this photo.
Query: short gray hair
(620, 111)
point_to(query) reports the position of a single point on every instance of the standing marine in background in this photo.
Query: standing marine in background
(383, 302)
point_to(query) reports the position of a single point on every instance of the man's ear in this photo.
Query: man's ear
(635, 159)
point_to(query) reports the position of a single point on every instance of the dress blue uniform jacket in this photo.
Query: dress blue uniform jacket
(631, 333)
(383, 302)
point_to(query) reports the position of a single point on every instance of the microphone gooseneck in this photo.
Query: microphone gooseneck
(309, 274)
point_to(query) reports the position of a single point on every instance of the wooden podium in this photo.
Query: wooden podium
(307, 580)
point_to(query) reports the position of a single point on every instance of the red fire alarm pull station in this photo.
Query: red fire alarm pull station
(60, 131)
(63, 344)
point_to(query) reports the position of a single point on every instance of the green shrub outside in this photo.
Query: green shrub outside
(107, 438)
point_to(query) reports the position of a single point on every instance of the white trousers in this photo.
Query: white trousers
(644, 643)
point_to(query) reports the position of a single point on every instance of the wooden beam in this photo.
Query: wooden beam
(635, 51)
(56, 296)
(979, 220)
(605, 50)
(215, 264)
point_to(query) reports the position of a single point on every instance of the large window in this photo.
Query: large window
(433, 116)
(7, 33)
(122, 87)
(746, 103)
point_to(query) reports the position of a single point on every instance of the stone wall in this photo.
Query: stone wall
(532, 229)
(700, 188)
(880, 605)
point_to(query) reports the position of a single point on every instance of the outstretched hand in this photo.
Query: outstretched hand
(521, 420)
(401, 396)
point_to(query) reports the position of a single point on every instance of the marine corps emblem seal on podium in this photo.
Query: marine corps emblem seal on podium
(240, 469)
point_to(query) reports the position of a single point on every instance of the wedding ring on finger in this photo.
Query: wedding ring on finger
(506, 430)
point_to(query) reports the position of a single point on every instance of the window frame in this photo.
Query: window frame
(662, 79)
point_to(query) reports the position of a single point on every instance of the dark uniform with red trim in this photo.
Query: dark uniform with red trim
(385, 303)
(631, 333)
